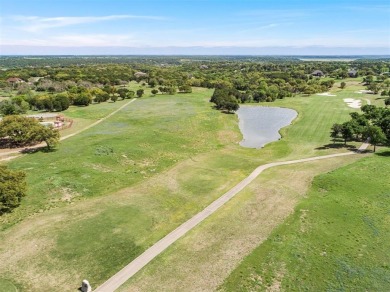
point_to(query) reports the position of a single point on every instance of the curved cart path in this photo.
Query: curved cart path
(62, 138)
(137, 264)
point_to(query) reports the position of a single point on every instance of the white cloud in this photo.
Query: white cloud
(100, 40)
(97, 40)
(37, 24)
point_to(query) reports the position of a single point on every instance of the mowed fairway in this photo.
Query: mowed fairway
(338, 239)
(112, 191)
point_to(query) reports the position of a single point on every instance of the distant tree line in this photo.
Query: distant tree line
(54, 83)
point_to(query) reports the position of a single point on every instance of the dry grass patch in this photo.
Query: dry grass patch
(227, 136)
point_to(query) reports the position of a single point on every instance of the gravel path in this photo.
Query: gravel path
(137, 264)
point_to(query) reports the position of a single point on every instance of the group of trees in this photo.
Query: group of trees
(225, 99)
(373, 125)
(379, 83)
(76, 95)
(12, 107)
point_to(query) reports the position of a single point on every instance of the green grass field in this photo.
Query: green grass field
(112, 191)
(338, 239)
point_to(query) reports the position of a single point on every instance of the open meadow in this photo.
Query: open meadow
(110, 192)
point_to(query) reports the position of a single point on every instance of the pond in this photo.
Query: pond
(260, 125)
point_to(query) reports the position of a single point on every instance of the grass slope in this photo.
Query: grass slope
(338, 239)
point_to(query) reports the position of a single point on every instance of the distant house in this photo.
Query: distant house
(14, 80)
(352, 73)
(140, 74)
(203, 67)
(318, 73)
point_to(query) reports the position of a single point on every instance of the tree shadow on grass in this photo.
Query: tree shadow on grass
(43, 149)
(227, 112)
(384, 153)
(337, 146)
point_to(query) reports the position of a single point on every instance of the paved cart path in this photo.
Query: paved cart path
(137, 264)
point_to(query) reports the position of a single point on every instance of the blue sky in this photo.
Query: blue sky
(195, 27)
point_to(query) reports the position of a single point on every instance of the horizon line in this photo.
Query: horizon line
(197, 55)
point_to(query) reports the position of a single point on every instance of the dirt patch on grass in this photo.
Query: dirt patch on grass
(276, 285)
(303, 218)
(66, 195)
(225, 137)
(97, 167)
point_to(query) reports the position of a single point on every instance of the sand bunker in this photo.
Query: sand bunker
(353, 103)
(364, 91)
(326, 94)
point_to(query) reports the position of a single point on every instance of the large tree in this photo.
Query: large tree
(225, 99)
(336, 131)
(21, 131)
(140, 92)
(12, 188)
(347, 131)
(122, 92)
(374, 134)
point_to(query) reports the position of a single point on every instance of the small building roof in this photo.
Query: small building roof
(139, 74)
(14, 80)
